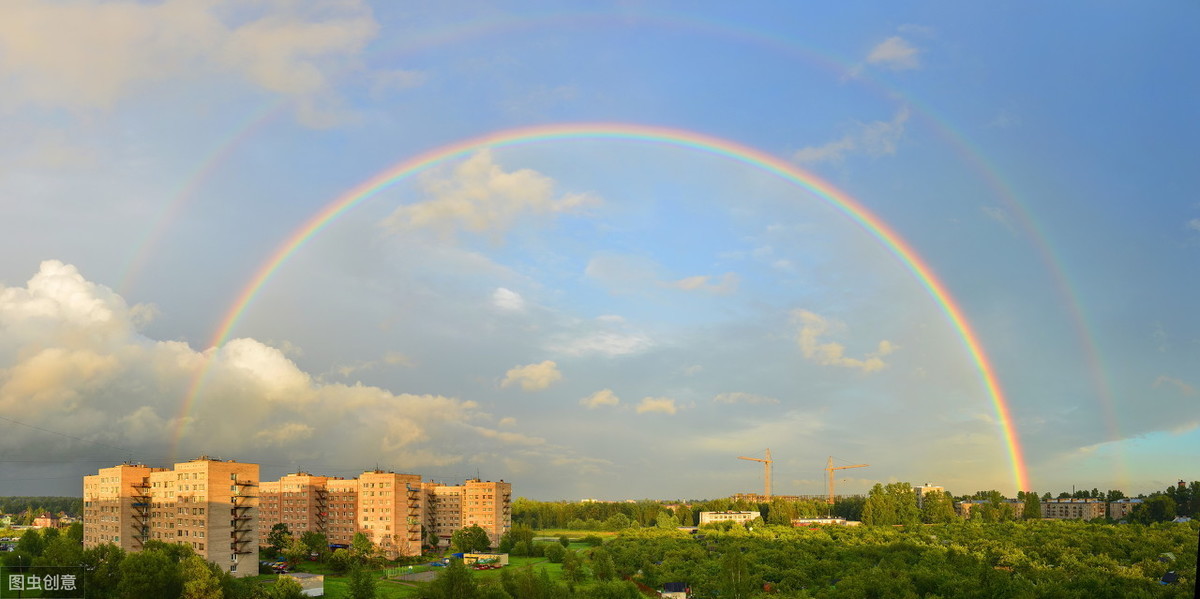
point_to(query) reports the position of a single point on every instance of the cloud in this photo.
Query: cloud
(603, 397)
(877, 138)
(533, 377)
(605, 335)
(1179, 385)
(91, 54)
(999, 215)
(727, 284)
(72, 361)
(507, 299)
(741, 397)
(1194, 224)
(663, 405)
(894, 53)
(479, 196)
(812, 327)
(388, 359)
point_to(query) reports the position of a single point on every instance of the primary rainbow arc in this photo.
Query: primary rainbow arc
(629, 132)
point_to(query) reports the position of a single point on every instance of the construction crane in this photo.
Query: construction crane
(830, 468)
(766, 474)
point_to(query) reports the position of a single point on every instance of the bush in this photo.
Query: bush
(555, 553)
(593, 540)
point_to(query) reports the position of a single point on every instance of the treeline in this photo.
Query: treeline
(32, 507)
(161, 570)
(614, 515)
(1062, 559)
(1014, 559)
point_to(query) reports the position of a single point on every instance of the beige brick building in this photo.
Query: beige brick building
(206, 503)
(1121, 508)
(739, 517)
(397, 512)
(1074, 509)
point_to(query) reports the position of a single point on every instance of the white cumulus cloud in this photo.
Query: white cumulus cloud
(73, 362)
(92, 54)
(507, 299)
(743, 397)
(603, 397)
(895, 53)
(813, 327)
(661, 405)
(480, 196)
(533, 377)
(877, 138)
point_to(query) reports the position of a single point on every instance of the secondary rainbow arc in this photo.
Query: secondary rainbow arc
(643, 133)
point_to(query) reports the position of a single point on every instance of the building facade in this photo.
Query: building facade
(397, 512)
(206, 503)
(1121, 508)
(738, 517)
(1074, 509)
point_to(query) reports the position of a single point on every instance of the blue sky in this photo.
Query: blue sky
(601, 318)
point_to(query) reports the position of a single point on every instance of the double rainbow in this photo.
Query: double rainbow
(641, 133)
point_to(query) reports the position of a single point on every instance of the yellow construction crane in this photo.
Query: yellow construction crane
(830, 468)
(767, 473)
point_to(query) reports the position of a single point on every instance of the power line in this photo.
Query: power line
(124, 450)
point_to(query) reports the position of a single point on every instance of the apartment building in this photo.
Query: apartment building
(300, 500)
(926, 489)
(485, 504)
(391, 511)
(1121, 508)
(397, 512)
(206, 503)
(1074, 509)
(739, 517)
(342, 521)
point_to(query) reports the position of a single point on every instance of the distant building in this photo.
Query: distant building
(738, 517)
(824, 522)
(760, 498)
(1074, 509)
(1121, 508)
(925, 489)
(46, 520)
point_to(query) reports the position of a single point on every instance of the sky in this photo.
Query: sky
(600, 250)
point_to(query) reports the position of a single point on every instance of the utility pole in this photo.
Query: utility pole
(766, 473)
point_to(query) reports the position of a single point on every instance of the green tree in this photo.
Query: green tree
(149, 573)
(455, 581)
(31, 543)
(470, 539)
(554, 553)
(361, 546)
(285, 587)
(666, 520)
(1158, 508)
(279, 538)
(736, 581)
(295, 551)
(198, 579)
(564, 540)
(362, 584)
(341, 560)
(75, 532)
(102, 570)
(937, 508)
(602, 564)
(573, 571)
(315, 542)
(1033, 507)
